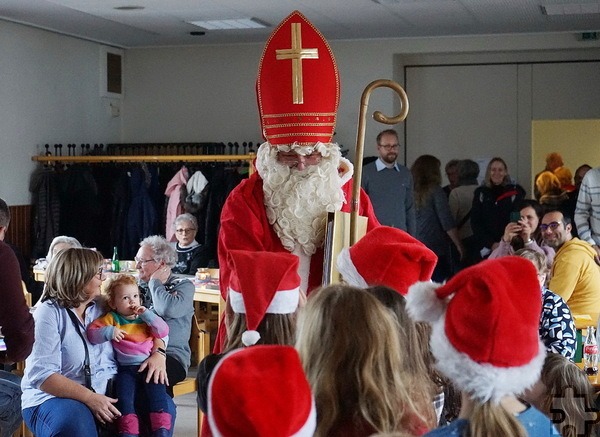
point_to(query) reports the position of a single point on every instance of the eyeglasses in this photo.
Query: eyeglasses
(552, 226)
(390, 146)
(143, 261)
(292, 159)
(101, 273)
(185, 231)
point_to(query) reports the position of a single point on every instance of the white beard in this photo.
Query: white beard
(297, 201)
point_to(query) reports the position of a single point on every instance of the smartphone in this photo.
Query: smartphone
(515, 216)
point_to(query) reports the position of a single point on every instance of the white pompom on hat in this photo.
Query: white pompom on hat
(261, 391)
(485, 324)
(386, 256)
(262, 283)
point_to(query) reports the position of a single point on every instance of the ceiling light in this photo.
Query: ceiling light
(238, 23)
(571, 9)
(129, 8)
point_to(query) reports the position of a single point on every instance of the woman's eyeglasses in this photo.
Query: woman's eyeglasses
(143, 261)
(101, 273)
(185, 231)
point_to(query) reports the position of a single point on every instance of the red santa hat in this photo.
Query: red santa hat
(386, 256)
(262, 283)
(485, 326)
(298, 86)
(261, 391)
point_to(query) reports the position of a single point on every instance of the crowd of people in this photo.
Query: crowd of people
(454, 315)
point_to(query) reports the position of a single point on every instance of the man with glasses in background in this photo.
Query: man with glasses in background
(390, 185)
(575, 276)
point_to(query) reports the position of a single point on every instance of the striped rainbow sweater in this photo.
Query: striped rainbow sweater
(135, 347)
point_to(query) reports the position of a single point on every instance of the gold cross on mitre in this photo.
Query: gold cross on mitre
(296, 53)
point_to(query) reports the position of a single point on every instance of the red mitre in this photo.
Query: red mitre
(298, 87)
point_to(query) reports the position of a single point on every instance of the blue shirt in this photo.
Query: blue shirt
(390, 190)
(535, 423)
(59, 349)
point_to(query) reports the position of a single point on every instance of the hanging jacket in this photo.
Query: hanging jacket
(142, 216)
(46, 209)
(174, 206)
(195, 198)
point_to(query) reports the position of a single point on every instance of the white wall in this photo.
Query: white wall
(49, 93)
(207, 93)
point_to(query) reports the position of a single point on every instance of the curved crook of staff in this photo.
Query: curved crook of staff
(360, 140)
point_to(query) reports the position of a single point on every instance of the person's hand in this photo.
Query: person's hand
(162, 274)
(137, 309)
(302, 299)
(510, 231)
(597, 257)
(118, 334)
(526, 230)
(156, 364)
(102, 407)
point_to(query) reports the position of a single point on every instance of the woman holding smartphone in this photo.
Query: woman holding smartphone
(522, 232)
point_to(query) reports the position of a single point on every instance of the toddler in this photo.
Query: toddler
(132, 328)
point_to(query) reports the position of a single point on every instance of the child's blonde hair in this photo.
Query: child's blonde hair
(117, 281)
(350, 348)
(569, 399)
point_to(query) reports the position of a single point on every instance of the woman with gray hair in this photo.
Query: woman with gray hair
(171, 298)
(190, 253)
(59, 243)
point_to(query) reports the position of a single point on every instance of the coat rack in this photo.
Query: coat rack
(48, 158)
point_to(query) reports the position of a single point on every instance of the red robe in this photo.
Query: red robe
(244, 226)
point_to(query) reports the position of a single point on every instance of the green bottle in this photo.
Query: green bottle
(115, 260)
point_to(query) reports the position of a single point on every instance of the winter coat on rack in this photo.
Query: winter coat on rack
(174, 206)
(142, 218)
(46, 209)
(195, 198)
(222, 181)
(80, 205)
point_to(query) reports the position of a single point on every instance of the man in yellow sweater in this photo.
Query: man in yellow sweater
(575, 275)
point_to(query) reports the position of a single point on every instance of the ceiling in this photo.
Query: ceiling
(164, 22)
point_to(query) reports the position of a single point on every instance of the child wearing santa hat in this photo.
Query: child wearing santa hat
(485, 340)
(264, 291)
(351, 353)
(388, 261)
(261, 391)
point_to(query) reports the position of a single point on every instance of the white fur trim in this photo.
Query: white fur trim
(308, 429)
(348, 270)
(422, 302)
(250, 338)
(482, 381)
(347, 170)
(303, 267)
(284, 301)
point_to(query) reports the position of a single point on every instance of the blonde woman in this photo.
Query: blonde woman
(492, 204)
(352, 365)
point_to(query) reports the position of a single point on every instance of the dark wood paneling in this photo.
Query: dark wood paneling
(19, 229)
